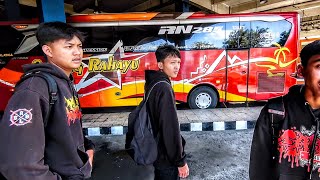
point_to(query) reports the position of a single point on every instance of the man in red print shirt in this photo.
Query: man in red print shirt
(294, 151)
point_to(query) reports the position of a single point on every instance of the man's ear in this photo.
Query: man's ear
(300, 70)
(160, 65)
(47, 50)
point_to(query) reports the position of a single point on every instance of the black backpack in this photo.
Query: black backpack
(141, 144)
(276, 112)
(52, 87)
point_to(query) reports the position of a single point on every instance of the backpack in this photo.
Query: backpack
(141, 144)
(276, 112)
(52, 88)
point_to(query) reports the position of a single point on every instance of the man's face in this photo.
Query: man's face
(311, 75)
(66, 54)
(170, 66)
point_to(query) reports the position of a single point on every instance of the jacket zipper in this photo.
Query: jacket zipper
(313, 142)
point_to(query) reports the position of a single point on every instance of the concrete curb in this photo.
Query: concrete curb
(204, 126)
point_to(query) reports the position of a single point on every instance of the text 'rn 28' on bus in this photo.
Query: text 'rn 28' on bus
(224, 58)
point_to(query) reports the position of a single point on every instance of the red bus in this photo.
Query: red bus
(225, 58)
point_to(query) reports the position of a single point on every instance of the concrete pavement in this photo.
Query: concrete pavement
(185, 116)
(222, 155)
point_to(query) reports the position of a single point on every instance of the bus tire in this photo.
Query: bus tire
(203, 97)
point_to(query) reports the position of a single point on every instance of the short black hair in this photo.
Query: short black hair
(308, 51)
(52, 31)
(165, 51)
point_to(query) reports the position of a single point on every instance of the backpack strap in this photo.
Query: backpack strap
(276, 112)
(52, 88)
(146, 99)
(149, 92)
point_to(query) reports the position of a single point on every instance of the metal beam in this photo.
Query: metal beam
(218, 1)
(305, 9)
(145, 5)
(31, 3)
(221, 8)
(311, 33)
(67, 7)
(213, 5)
(255, 6)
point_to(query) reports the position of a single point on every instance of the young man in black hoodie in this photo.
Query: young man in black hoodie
(297, 153)
(161, 105)
(31, 150)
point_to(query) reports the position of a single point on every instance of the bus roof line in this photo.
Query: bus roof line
(181, 21)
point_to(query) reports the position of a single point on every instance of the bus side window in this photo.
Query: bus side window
(141, 38)
(237, 35)
(266, 34)
(203, 36)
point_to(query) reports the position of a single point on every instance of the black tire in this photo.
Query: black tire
(206, 94)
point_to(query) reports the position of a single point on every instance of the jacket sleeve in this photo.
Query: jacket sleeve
(169, 127)
(261, 149)
(23, 139)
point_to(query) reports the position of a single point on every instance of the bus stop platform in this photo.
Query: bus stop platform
(217, 119)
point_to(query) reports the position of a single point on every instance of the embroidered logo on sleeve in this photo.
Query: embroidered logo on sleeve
(20, 117)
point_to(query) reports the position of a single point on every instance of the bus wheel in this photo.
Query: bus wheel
(202, 98)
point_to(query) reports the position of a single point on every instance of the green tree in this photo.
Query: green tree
(283, 38)
(246, 38)
(202, 45)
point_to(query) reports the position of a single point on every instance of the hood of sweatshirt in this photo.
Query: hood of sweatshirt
(155, 76)
(48, 68)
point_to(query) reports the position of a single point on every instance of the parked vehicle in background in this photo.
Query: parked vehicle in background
(225, 58)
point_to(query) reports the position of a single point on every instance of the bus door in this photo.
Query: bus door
(237, 75)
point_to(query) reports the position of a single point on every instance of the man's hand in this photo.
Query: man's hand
(184, 171)
(90, 153)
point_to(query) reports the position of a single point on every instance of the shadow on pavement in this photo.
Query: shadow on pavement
(111, 162)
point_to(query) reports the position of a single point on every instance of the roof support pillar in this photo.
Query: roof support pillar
(51, 10)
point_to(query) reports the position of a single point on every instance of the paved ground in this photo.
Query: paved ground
(222, 155)
(211, 155)
(185, 116)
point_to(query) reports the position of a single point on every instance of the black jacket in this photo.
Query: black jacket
(161, 107)
(31, 151)
(295, 142)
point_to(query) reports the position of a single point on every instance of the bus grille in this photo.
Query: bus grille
(270, 84)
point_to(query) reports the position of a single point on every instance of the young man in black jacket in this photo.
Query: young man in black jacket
(171, 163)
(297, 152)
(31, 150)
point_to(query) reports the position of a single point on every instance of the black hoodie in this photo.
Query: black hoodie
(31, 151)
(163, 114)
(296, 147)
